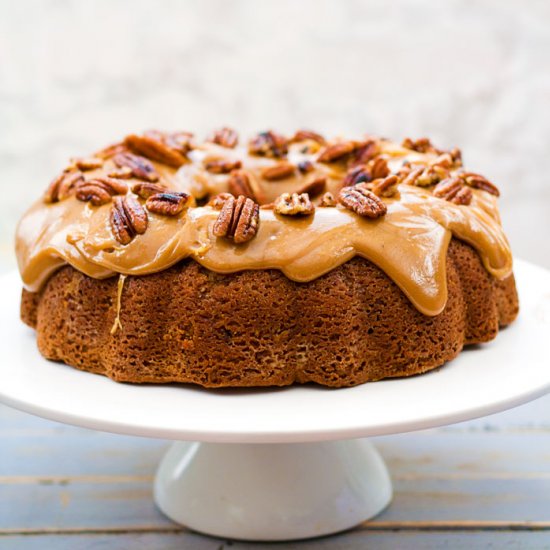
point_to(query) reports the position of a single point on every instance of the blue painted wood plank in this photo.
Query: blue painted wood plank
(353, 540)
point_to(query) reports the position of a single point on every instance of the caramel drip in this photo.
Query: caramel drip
(120, 286)
(409, 244)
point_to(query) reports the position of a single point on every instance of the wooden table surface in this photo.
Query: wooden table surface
(478, 484)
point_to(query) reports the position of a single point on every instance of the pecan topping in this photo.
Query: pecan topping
(226, 137)
(305, 166)
(453, 190)
(480, 182)
(279, 171)
(328, 200)
(268, 144)
(123, 173)
(240, 183)
(420, 145)
(128, 219)
(170, 203)
(337, 151)
(456, 155)
(221, 166)
(385, 187)
(378, 168)
(430, 176)
(302, 135)
(411, 177)
(356, 175)
(362, 202)
(170, 149)
(313, 188)
(238, 219)
(294, 205)
(140, 166)
(111, 150)
(366, 151)
(219, 200)
(99, 190)
(90, 163)
(145, 190)
(62, 186)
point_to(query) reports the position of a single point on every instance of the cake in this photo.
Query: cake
(268, 262)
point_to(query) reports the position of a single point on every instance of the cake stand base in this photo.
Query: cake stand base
(272, 491)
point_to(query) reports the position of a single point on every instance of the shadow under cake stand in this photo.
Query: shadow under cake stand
(281, 464)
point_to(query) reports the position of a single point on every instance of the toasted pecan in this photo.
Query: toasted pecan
(279, 171)
(238, 219)
(385, 187)
(327, 200)
(303, 135)
(268, 144)
(360, 200)
(240, 183)
(226, 137)
(127, 219)
(294, 204)
(145, 189)
(337, 151)
(314, 187)
(453, 190)
(168, 203)
(221, 166)
(99, 190)
(157, 146)
(63, 185)
(477, 181)
(141, 167)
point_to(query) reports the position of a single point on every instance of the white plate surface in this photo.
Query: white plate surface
(511, 370)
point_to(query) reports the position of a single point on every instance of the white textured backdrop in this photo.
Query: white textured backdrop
(75, 75)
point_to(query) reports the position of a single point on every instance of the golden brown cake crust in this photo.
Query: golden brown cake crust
(259, 328)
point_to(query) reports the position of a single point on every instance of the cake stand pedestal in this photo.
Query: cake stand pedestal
(281, 463)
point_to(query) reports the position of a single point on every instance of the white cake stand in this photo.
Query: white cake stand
(281, 464)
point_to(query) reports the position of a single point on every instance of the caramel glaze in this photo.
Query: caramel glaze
(409, 244)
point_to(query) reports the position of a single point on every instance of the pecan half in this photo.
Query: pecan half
(159, 146)
(356, 175)
(328, 200)
(362, 202)
(123, 173)
(62, 186)
(238, 219)
(478, 181)
(219, 200)
(453, 190)
(89, 163)
(302, 135)
(411, 177)
(314, 188)
(220, 166)
(99, 190)
(430, 176)
(366, 152)
(279, 171)
(226, 137)
(268, 144)
(378, 168)
(141, 168)
(305, 166)
(145, 190)
(385, 187)
(420, 145)
(240, 183)
(127, 219)
(169, 203)
(294, 205)
(337, 151)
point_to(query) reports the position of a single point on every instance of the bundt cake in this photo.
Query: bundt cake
(283, 260)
